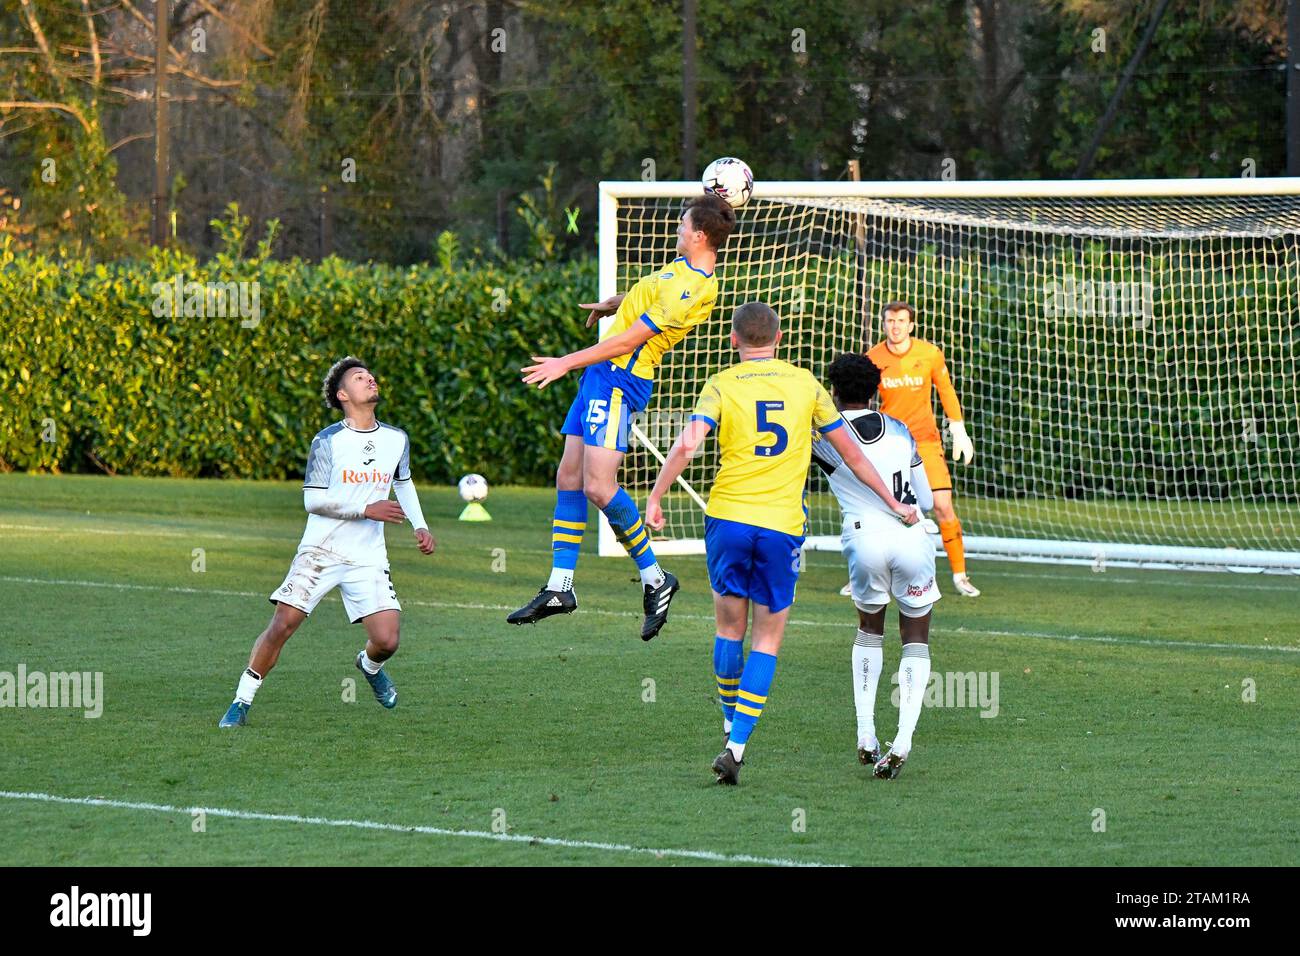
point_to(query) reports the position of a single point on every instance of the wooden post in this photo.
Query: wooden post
(160, 117)
(503, 221)
(326, 228)
(1293, 88)
(860, 291)
(691, 171)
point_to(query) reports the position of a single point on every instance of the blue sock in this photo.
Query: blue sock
(567, 528)
(625, 519)
(755, 682)
(728, 663)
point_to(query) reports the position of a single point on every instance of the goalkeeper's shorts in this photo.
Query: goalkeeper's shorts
(602, 412)
(936, 469)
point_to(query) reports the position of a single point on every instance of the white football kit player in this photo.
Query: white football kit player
(348, 470)
(885, 556)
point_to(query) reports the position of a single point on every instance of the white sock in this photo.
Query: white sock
(913, 676)
(249, 682)
(653, 576)
(726, 726)
(737, 750)
(868, 663)
(369, 666)
(561, 580)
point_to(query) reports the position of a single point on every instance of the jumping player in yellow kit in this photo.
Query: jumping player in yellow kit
(657, 313)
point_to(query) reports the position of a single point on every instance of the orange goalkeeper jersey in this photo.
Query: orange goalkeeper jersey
(905, 382)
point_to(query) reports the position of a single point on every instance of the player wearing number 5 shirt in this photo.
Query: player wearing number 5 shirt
(764, 411)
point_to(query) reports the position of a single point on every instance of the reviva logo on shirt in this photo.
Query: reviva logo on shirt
(374, 476)
(902, 381)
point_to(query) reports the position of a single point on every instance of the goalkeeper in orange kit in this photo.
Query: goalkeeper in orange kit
(908, 368)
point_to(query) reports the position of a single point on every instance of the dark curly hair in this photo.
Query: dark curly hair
(854, 377)
(330, 389)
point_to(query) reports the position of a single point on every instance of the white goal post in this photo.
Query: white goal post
(1127, 352)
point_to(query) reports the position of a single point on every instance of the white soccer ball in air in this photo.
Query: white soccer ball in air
(473, 487)
(729, 178)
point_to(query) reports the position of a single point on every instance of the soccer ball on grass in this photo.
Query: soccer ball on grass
(473, 487)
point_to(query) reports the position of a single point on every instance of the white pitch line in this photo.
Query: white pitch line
(708, 855)
(795, 622)
(1107, 578)
(136, 532)
(120, 586)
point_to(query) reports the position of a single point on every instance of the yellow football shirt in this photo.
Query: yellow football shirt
(672, 301)
(764, 411)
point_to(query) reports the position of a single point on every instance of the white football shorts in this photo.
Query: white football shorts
(366, 589)
(890, 559)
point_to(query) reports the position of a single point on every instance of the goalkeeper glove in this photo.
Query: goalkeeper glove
(961, 445)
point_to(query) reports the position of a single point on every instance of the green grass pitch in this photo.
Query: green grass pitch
(1120, 693)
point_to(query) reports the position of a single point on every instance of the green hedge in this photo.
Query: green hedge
(85, 362)
(1195, 401)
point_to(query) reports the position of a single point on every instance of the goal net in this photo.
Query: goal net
(1127, 353)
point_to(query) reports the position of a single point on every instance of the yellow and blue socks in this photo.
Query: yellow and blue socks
(632, 533)
(868, 662)
(913, 677)
(728, 664)
(567, 529)
(755, 682)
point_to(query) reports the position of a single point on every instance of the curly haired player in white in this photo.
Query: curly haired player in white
(884, 557)
(352, 466)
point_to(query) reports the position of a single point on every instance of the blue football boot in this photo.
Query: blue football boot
(381, 684)
(236, 715)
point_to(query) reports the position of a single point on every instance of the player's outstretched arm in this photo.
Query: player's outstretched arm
(683, 450)
(545, 370)
(867, 474)
(410, 504)
(602, 308)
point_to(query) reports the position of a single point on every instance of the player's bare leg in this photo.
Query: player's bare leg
(868, 665)
(568, 529)
(950, 532)
(383, 633)
(266, 651)
(913, 677)
(755, 681)
(600, 482)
